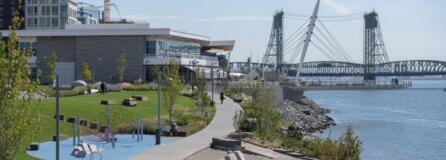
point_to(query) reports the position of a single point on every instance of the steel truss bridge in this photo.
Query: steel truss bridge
(376, 61)
(339, 69)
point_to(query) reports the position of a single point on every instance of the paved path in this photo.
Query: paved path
(220, 126)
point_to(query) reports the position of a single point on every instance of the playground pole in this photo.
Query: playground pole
(142, 130)
(57, 117)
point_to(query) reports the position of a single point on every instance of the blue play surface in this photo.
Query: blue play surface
(125, 147)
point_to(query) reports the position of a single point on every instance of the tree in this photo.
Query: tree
(18, 119)
(52, 67)
(200, 81)
(86, 72)
(171, 86)
(267, 119)
(121, 66)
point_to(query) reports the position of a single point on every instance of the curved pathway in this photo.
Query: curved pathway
(180, 149)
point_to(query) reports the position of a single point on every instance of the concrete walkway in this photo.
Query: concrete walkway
(220, 126)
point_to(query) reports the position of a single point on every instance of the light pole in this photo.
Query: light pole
(57, 117)
(158, 128)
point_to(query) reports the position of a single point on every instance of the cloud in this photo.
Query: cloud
(338, 7)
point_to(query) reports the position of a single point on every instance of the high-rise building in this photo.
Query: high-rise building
(88, 14)
(8, 8)
(50, 14)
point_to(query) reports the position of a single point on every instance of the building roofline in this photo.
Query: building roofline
(109, 30)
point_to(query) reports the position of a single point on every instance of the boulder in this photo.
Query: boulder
(129, 102)
(140, 98)
(78, 83)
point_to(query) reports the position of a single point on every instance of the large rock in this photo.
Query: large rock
(304, 117)
(78, 83)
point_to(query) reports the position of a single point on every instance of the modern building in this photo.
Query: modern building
(88, 14)
(100, 46)
(8, 8)
(50, 14)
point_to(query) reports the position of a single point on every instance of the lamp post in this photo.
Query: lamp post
(57, 117)
(158, 128)
(194, 62)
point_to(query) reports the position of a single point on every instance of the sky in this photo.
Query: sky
(412, 29)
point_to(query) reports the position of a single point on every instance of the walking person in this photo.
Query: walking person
(102, 88)
(222, 97)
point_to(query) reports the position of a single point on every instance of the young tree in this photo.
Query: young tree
(200, 81)
(18, 119)
(52, 67)
(86, 72)
(171, 86)
(121, 66)
(268, 120)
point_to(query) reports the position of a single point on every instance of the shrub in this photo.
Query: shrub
(140, 87)
(347, 147)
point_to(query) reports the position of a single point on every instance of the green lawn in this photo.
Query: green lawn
(88, 107)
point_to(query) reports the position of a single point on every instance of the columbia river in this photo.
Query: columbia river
(405, 124)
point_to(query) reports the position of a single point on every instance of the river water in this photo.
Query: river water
(405, 124)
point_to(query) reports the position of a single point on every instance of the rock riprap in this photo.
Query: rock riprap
(304, 117)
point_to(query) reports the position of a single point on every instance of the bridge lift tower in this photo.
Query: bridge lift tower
(374, 49)
(274, 50)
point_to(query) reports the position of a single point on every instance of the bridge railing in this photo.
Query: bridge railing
(356, 84)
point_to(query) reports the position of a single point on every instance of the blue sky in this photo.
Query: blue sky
(412, 29)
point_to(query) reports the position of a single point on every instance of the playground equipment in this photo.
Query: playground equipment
(139, 130)
(76, 131)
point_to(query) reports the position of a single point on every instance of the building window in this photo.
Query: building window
(1, 23)
(151, 48)
(35, 22)
(1, 11)
(55, 22)
(30, 11)
(55, 1)
(29, 22)
(41, 22)
(48, 22)
(55, 10)
(42, 11)
(35, 10)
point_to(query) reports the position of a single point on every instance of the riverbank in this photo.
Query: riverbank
(304, 117)
(393, 124)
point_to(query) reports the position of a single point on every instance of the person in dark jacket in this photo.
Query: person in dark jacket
(102, 88)
(222, 97)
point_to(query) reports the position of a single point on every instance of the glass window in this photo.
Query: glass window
(47, 22)
(55, 1)
(55, 22)
(47, 10)
(42, 11)
(35, 10)
(41, 22)
(1, 11)
(29, 22)
(55, 10)
(29, 11)
(35, 22)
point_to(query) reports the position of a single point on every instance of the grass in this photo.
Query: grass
(88, 107)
